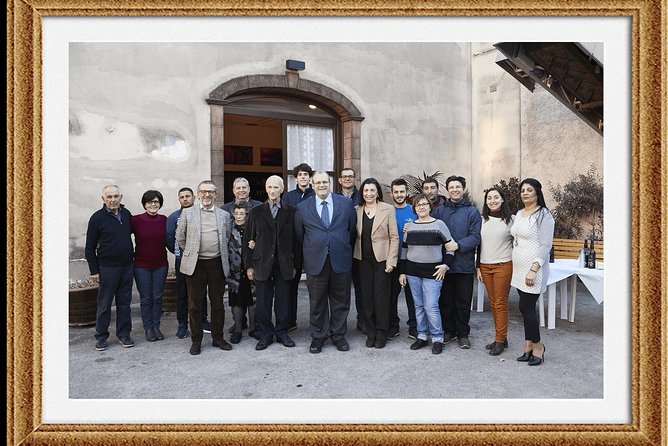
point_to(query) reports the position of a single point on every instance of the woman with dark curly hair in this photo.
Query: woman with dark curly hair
(532, 231)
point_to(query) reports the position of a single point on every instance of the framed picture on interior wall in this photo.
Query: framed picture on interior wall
(241, 155)
(271, 156)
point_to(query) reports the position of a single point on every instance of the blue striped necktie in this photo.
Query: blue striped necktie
(325, 214)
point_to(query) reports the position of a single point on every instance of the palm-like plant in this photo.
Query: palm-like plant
(415, 182)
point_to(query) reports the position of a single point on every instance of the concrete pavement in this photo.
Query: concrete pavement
(573, 365)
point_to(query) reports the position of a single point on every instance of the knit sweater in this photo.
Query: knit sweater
(423, 249)
(108, 241)
(496, 242)
(149, 231)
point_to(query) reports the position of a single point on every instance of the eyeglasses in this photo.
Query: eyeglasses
(421, 205)
(205, 192)
(347, 177)
(153, 203)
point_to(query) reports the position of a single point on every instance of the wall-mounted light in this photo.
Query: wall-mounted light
(296, 65)
(312, 107)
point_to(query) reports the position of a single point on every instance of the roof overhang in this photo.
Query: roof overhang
(567, 70)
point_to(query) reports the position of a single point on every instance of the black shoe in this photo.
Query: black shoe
(535, 360)
(370, 342)
(412, 334)
(158, 334)
(316, 346)
(417, 345)
(496, 349)
(127, 342)
(380, 343)
(150, 335)
(235, 338)
(504, 343)
(447, 338)
(341, 344)
(253, 334)
(196, 348)
(292, 327)
(262, 344)
(437, 348)
(223, 345)
(101, 345)
(206, 327)
(393, 335)
(526, 356)
(182, 331)
(463, 342)
(286, 341)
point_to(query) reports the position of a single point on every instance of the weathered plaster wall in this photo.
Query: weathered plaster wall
(138, 115)
(524, 134)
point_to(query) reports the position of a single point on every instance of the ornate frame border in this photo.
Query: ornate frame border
(649, 174)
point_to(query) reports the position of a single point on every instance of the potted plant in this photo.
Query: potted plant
(82, 303)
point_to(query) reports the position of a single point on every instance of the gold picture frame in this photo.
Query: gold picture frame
(649, 181)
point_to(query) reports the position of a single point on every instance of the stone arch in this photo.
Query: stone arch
(292, 86)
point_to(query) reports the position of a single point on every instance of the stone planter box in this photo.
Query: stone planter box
(83, 306)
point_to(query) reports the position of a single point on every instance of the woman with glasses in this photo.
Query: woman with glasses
(423, 267)
(150, 265)
(376, 249)
(532, 231)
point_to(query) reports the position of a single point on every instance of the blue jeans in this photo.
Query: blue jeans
(115, 281)
(426, 293)
(151, 286)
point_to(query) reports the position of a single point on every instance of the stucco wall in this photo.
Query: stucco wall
(524, 134)
(138, 115)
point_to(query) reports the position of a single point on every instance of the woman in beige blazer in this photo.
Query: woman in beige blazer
(377, 249)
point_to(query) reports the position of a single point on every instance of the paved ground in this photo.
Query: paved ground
(573, 365)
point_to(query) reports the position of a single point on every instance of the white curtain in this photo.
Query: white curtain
(312, 145)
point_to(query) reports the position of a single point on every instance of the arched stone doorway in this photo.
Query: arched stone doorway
(290, 86)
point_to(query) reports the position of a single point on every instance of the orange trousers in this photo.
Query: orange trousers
(496, 277)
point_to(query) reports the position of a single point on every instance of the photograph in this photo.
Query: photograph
(439, 141)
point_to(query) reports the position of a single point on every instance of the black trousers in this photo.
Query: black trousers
(208, 277)
(292, 300)
(455, 304)
(529, 315)
(329, 302)
(358, 292)
(182, 296)
(395, 288)
(275, 290)
(375, 283)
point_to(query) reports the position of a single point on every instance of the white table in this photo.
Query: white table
(560, 271)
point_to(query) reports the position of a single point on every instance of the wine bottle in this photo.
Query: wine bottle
(552, 254)
(583, 253)
(591, 263)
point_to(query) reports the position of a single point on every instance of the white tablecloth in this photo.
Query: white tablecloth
(591, 278)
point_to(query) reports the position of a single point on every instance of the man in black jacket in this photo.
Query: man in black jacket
(271, 259)
(110, 256)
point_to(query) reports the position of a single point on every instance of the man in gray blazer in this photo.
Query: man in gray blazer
(202, 234)
(325, 226)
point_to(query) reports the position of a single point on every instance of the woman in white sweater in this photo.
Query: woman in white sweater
(532, 230)
(495, 265)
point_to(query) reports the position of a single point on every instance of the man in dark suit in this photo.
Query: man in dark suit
(272, 262)
(325, 226)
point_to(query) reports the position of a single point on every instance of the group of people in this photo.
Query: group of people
(428, 245)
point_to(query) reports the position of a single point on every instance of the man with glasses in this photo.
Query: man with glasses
(203, 234)
(349, 189)
(325, 226)
(110, 256)
(241, 191)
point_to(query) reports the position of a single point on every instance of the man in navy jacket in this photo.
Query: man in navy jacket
(464, 222)
(110, 257)
(325, 226)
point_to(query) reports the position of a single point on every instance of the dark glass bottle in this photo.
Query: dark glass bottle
(552, 254)
(591, 258)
